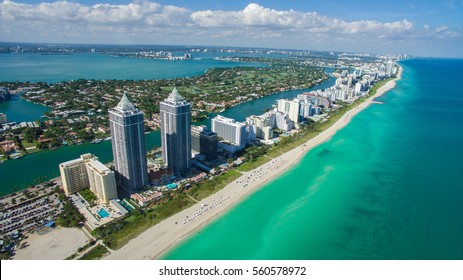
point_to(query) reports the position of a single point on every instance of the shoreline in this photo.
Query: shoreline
(158, 240)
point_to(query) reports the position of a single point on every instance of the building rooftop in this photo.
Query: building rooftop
(175, 96)
(125, 104)
(100, 166)
(229, 121)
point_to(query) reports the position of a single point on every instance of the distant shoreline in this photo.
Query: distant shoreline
(158, 240)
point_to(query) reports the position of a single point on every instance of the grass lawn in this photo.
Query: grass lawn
(95, 254)
(250, 165)
(28, 145)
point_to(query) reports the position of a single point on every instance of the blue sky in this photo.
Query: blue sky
(425, 28)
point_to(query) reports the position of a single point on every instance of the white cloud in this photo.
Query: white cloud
(255, 15)
(140, 12)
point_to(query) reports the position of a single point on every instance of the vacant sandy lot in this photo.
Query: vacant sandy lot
(58, 244)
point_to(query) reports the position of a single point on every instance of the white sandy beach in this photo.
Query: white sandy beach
(156, 241)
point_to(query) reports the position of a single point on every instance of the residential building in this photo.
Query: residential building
(306, 109)
(176, 132)
(389, 65)
(283, 122)
(289, 107)
(74, 175)
(102, 181)
(128, 143)
(88, 172)
(230, 131)
(262, 126)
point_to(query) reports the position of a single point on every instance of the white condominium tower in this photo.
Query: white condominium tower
(128, 142)
(230, 130)
(291, 108)
(176, 132)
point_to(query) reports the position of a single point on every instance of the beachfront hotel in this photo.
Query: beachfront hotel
(290, 108)
(102, 181)
(176, 132)
(74, 174)
(230, 130)
(88, 172)
(128, 144)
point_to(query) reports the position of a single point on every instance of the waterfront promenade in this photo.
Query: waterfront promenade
(156, 241)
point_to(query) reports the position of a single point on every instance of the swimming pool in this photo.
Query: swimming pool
(103, 213)
(127, 206)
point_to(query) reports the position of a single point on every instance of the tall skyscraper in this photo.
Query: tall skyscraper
(128, 141)
(176, 132)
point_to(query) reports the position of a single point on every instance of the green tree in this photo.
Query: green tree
(29, 134)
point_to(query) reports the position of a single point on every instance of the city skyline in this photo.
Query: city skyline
(424, 29)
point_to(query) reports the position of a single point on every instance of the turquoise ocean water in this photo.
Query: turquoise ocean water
(387, 186)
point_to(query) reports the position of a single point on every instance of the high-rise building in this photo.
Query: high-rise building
(306, 109)
(230, 130)
(101, 180)
(204, 141)
(128, 142)
(74, 174)
(283, 122)
(262, 126)
(88, 172)
(389, 65)
(291, 108)
(176, 132)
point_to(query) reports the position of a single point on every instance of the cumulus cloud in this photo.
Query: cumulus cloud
(143, 19)
(255, 15)
(140, 12)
